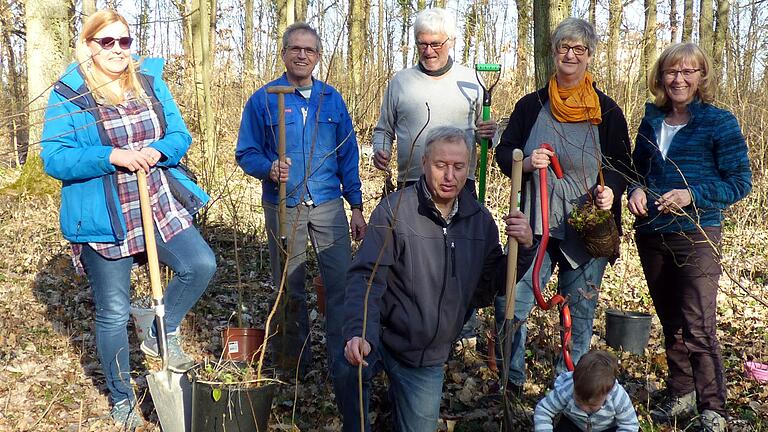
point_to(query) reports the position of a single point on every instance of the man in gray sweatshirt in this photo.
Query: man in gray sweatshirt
(451, 91)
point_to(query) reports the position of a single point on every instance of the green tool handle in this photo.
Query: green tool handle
(483, 157)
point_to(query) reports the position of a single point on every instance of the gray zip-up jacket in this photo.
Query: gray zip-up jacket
(429, 274)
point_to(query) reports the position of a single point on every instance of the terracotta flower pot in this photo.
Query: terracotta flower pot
(317, 282)
(241, 344)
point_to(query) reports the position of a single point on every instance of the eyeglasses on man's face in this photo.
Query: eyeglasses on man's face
(108, 42)
(672, 73)
(296, 50)
(578, 50)
(434, 45)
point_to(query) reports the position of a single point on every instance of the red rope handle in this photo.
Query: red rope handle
(556, 299)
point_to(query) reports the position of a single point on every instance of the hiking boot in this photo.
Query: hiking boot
(178, 360)
(126, 415)
(712, 421)
(674, 406)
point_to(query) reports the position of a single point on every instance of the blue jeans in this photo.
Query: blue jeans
(414, 391)
(581, 288)
(327, 227)
(193, 264)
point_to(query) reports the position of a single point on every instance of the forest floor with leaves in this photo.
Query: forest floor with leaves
(50, 378)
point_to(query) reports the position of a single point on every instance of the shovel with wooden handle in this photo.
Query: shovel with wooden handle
(285, 358)
(509, 310)
(171, 392)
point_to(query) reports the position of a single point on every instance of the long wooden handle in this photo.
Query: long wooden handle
(516, 181)
(147, 222)
(281, 91)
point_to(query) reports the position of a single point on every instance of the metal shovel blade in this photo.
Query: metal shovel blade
(172, 395)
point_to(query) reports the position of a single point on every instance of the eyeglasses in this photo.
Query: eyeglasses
(435, 45)
(578, 50)
(672, 73)
(108, 42)
(295, 50)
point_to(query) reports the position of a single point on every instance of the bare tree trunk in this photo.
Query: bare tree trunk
(357, 47)
(523, 41)
(200, 26)
(706, 26)
(89, 7)
(470, 28)
(301, 7)
(143, 30)
(248, 70)
(687, 20)
(593, 12)
(721, 36)
(19, 126)
(405, 34)
(615, 11)
(47, 25)
(649, 43)
(673, 21)
(547, 14)
(184, 6)
(285, 15)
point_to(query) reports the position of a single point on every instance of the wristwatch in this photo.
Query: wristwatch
(356, 206)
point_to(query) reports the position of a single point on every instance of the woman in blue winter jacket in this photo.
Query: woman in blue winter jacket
(109, 116)
(692, 162)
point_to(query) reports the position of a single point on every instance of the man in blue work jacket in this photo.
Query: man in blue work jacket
(320, 172)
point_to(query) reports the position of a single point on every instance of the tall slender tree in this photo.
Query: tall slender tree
(673, 21)
(358, 46)
(615, 10)
(706, 26)
(547, 14)
(687, 20)
(523, 40)
(47, 50)
(203, 61)
(721, 36)
(89, 7)
(248, 69)
(649, 42)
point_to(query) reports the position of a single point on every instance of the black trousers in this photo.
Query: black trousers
(682, 271)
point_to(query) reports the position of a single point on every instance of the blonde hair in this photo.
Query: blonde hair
(674, 54)
(129, 80)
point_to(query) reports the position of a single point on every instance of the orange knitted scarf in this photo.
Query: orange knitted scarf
(575, 104)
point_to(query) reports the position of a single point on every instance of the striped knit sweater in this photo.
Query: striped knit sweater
(616, 411)
(708, 157)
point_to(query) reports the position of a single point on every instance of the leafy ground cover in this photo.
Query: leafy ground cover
(50, 379)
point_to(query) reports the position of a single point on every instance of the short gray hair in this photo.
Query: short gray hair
(435, 21)
(574, 29)
(448, 134)
(300, 27)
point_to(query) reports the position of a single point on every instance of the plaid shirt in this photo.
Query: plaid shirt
(132, 126)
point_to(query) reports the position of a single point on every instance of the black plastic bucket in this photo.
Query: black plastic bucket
(238, 409)
(628, 331)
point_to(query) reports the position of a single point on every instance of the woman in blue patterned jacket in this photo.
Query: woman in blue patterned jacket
(692, 162)
(108, 117)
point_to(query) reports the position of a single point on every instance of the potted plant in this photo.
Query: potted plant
(596, 227)
(229, 396)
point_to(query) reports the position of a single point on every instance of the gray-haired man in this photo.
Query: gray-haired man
(432, 253)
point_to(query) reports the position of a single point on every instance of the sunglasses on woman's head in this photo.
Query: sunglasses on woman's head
(108, 42)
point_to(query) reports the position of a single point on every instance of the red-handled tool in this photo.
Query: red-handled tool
(557, 299)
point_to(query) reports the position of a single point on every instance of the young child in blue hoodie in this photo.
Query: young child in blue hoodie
(589, 399)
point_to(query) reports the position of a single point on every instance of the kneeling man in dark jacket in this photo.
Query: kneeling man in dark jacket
(431, 254)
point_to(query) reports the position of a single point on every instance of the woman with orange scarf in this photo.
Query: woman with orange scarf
(588, 133)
